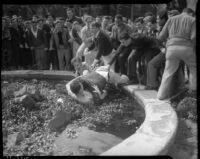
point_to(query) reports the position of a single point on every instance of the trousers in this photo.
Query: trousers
(63, 54)
(174, 55)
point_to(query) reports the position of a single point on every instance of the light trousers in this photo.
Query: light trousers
(173, 56)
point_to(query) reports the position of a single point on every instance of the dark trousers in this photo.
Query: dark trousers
(122, 59)
(133, 58)
(53, 59)
(157, 63)
(15, 57)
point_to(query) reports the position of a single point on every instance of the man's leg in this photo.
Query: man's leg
(67, 55)
(122, 59)
(189, 57)
(152, 69)
(171, 66)
(132, 61)
(60, 59)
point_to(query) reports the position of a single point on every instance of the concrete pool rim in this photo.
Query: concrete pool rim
(153, 137)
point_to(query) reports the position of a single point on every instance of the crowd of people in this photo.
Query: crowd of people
(150, 50)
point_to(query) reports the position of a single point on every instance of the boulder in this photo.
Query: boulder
(87, 142)
(60, 120)
(21, 92)
(35, 94)
(14, 139)
(27, 102)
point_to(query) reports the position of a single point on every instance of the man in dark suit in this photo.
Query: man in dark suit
(103, 44)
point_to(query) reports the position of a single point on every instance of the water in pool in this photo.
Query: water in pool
(26, 125)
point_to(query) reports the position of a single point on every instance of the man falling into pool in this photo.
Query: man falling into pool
(91, 88)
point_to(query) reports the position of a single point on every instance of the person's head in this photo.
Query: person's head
(50, 19)
(125, 20)
(139, 22)
(76, 88)
(14, 22)
(35, 18)
(118, 20)
(95, 27)
(6, 20)
(88, 19)
(27, 24)
(98, 19)
(189, 11)
(76, 25)
(62, 21)
(105, 21)
(58, 25)
(70, 13)
(20, 20)
(34, 24)
(148, 14)
(162, 18)
(40, 23)
(125, 39)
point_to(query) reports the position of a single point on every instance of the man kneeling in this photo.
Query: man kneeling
(91, 88)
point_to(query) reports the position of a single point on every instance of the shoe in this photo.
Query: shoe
(150, 88)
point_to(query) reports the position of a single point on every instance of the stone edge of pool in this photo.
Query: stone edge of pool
(153, 137)
(156, 133)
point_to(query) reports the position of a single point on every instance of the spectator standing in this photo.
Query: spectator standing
(61, 37)
(181, 33)
(6, 42)
(15, 43)
(51, 53)
(72, 18)
(38, 42)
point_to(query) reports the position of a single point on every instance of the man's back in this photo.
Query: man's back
(181, 25)
(180, 30)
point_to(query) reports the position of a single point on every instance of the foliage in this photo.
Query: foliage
(116, 112)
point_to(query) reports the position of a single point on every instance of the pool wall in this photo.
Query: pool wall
(156, 133)
(152, 138)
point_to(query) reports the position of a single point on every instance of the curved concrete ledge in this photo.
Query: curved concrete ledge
(39, 74)
(156, 133)
(154, 136)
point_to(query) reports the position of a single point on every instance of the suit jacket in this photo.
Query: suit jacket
(103, 44)
(40, 41)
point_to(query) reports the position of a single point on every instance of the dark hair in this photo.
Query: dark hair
(148, 14)
(188, 10)
(124, 36)
(119, 16)
(69, 9)
(106, 17)
(96, 24)
(75, 86)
